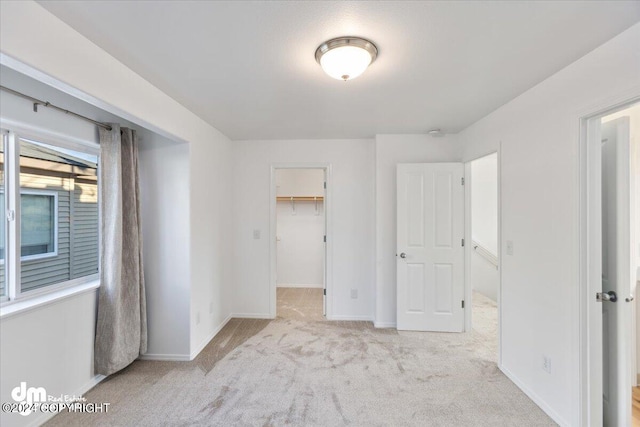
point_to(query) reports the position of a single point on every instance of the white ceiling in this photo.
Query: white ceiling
(248, 68)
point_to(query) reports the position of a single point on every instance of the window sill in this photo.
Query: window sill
(46, 299)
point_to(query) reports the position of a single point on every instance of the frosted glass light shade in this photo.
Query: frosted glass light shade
(345, 63)
(345, 58)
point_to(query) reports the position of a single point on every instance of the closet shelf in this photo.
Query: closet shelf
(300, 198)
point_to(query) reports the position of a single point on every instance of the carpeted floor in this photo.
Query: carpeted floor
(300, 370)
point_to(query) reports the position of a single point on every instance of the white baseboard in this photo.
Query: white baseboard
(350, 317)
(265, 316)
(536, 399)
(206, 341)
(46, 416)
(384, 324)
(166, 357)
(293, 285)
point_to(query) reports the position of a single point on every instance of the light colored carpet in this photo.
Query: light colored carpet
(318, 373)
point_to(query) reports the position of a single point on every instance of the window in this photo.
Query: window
(49, 193)
(38, 225)
(38, 213)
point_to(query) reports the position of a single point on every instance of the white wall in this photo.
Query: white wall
(391, 150)
(484, 202)
(164, 174)
(90, 74)
(300, 245)
(299, 182)
(163, 177)
(58, 353)
(484, 224)
(353, 226)
(538, 135)
(300, 229)
(53, 348)
(484, 276)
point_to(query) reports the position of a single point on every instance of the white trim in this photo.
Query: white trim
(468, 286)
(12, 228)
(265, 316)
(300, 285)
(46, 416)
(357, 318)
(208, 339)
(24, 305)
(328, 232)
(166, 357)
(536, 399)
(499, 296)
(32, 132)
(384, 325)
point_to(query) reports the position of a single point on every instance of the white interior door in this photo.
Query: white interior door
(430, 255)
(616, 267)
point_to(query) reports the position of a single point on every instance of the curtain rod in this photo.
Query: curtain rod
(37, 102)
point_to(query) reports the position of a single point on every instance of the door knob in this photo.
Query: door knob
(403, 255)
(606, 296)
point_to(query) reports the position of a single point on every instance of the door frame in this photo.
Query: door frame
(273, 247)
(468, 252)
(590, 257)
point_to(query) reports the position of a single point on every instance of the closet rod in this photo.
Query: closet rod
(37, 102)
(299, 198)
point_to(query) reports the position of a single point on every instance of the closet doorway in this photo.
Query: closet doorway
(300, 218)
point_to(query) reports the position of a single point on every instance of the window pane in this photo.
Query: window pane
(59, 215)
(37, 224)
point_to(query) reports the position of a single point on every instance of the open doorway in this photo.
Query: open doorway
(610, 251)
(300, 228)
(620, 138)
(483, 278)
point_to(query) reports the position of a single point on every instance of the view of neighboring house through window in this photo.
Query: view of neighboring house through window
(57, 212)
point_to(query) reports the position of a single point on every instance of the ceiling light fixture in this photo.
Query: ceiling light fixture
(345, 58)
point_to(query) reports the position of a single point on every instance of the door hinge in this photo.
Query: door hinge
(325, 185)
(462, 303)
(463, 243)
(324, 291)
(462, 180)
(325, 239)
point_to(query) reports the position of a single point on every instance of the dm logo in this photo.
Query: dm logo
(28, 396)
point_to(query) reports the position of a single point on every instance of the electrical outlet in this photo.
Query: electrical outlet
(198, 318)
(256, 234)
(509, 247)
(546, 364)
(354, 294)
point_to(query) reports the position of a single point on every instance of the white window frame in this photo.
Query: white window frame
(12, 263)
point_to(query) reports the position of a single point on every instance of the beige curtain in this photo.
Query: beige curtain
(121, 330)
